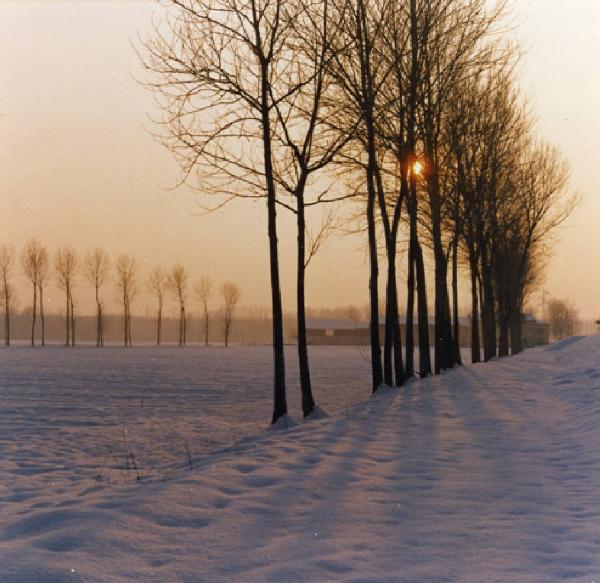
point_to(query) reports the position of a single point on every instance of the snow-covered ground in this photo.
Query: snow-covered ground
(490, 473)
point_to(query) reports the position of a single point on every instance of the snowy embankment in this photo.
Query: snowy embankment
(490, 473)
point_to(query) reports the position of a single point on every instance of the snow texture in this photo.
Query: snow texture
(489, 473)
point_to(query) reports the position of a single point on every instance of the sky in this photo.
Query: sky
(79, 166)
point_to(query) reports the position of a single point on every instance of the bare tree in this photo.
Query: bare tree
(542, 204)
(231, 296)
(359, 74)
(157, 286)
(126, 279)
(305, 144)
(451, 38)
(30, 262)
(217, 66)
(7, 289)
(65, 268)
(177, 281)
(203, 291)
(562, 316)
(95, 268)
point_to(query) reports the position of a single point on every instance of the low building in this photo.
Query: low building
(337, 332)
(534, 332)
(346, 332)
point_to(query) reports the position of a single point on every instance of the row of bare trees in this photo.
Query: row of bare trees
(411, 110)
(95, 267)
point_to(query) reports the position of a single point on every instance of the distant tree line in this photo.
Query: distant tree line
(95, 268)
(409, 111)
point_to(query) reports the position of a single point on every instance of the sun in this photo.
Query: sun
(418, 168)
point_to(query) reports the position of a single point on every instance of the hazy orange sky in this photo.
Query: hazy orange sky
(78, 165)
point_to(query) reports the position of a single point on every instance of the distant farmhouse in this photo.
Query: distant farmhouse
(346, 332)
(535, 332)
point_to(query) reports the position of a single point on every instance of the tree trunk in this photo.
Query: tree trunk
(159, 324)
(125, 322)
(97, 325)
(33, 314)
(410, 309)
(72, 320)
(475, 342)
(129, 342)
(279, 393)
(376, 370)
(101, 324)
(399, 371)
(515, 325)
(42, 317)
(423, 315)
(503, 342)
(98, 312)
(181, 325)
(308, 402)
(67, 319)
(456, 331)
(6, 314)
(444, 349)
(206, 316)
(488, 314)
(388, 371)
(422, 309)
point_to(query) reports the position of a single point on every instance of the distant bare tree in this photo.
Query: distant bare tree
(126, 268)
(562, 315)
(65, 268)
(157, 285)
(203, 291)
(177, 282)
(7, 290)
(30, 262)
(95, 268)
(231, 296)
(43, 275)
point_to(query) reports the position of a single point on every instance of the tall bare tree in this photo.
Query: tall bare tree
(231, 296)
(157, 286)
(203, 291)
(7, 288)
(96, 266)
(126, 279)
(65, 269)
(216, 64)
(538, 205)
(177, 281)
(305, 144)
(359, 74)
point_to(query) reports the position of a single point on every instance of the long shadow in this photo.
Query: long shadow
(302, 494)
(533, 505)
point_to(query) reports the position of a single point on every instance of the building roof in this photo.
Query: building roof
(334, 324)
(347, 324)
(529, 317)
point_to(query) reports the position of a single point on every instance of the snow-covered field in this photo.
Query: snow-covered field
(490, 473)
